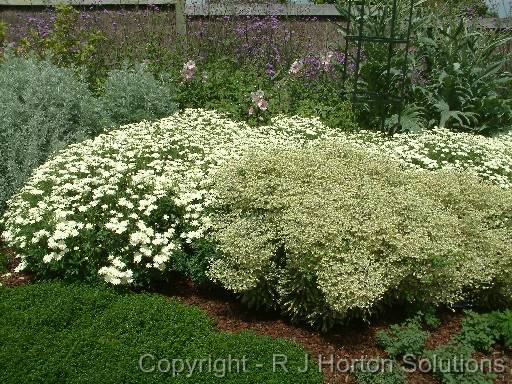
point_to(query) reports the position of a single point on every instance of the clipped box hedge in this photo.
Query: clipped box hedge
(56, 333)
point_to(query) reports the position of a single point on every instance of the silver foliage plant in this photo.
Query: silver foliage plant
(133, 94)
(43, 108)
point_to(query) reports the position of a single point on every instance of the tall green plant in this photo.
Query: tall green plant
(456, 71)
(375, 66)
(465, 84)
(3, 32)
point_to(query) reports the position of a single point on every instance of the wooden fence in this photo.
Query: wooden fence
(184, 8)
(181, 23)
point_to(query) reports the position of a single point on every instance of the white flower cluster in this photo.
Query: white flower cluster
(440, 148)
(122, 204)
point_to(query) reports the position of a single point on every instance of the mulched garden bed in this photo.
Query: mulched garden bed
(352, 342)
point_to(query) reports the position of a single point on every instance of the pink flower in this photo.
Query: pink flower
(190, 65)
(189, 70)
(262, 104)
(257, 96)
(296, 67)
(327, 60)
(187, 75)
(258, 101)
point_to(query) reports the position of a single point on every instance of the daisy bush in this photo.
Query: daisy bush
(490, 158)
(333, 231)
(127, 206)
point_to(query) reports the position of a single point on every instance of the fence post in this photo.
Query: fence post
(181, 21)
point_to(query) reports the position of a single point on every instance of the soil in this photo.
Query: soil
(10, 278)
(356, 341)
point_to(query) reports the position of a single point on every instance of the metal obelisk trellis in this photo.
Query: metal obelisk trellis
(355, 12)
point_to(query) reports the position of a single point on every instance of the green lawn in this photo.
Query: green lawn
(56, 333)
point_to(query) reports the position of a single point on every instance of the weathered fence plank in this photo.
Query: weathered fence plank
(496, 23)
(241, 9)
(181, 20)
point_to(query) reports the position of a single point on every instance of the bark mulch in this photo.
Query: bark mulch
(9, 278)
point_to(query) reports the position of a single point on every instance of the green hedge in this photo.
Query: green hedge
(56, 333)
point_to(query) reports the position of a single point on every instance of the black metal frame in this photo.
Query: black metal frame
(357, 39)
